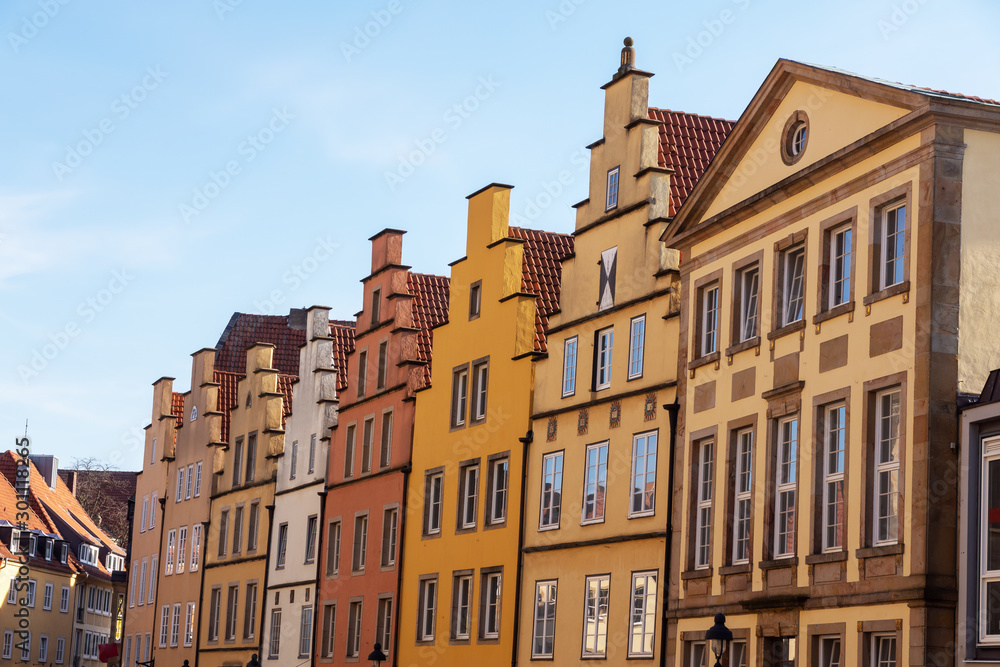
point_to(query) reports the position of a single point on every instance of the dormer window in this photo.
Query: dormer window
(612, 193)
(15, 540)
(88, 554)
(63, 553)
(48, 549)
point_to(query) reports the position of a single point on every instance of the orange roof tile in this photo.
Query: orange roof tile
(228, 397)
(245, 329)
(430, 309)
(688, 143)
(342, 333)
(541, 272)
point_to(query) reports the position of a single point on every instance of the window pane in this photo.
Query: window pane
(992, 517)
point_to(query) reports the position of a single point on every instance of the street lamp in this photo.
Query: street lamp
(377, 656)
(719, 637)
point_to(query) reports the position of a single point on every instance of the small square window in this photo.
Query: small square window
(612, 198)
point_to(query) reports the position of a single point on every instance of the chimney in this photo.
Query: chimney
(48, 465)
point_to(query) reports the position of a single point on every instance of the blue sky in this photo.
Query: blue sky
(166, 164)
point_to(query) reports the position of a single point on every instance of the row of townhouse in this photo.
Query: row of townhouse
(700, 332)
(62, 577)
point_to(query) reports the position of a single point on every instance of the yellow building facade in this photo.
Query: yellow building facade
(242, 496)
(820, 360)
(598, 477)
(458, 601)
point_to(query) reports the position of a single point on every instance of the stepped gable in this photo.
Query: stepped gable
(688, 142)
(245, 329)
(541, 272)
(430, 309)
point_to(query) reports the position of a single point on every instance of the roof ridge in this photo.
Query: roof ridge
(694, 115)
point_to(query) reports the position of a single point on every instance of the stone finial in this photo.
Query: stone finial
(628, 57)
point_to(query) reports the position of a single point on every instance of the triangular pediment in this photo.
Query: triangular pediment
(838, 109)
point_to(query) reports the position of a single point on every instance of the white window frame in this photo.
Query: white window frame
(834, 466)
(469, 508)
(175, 625)
(499, 476)
(8, 644)
(709, 333)
(886, 467)
(876, 646)
(462, 620)
(367, 441)
(189, 618)
(604, 354)
(47, 596)
(640, 605)
(312, 533)
(550, 589)
(168, 565)
(428, 610)
(825, 648)
(43, 648)
(987, 575)
(611, 192)
(705, 477)
(480, 383)
(355, 617)
(595, 472)
(786, 486)
(359, 541)
(839, 287)
(152, 511)
(179, 496)
(491, 595)
(885, 257)
(743, 497)
(643, 495)
(336, 533)
(390, 535)
(61, 650)
(188, 481)
(181, 549)
(274, 645)
(596, 601)
(142, 582)
(305, 631)
(749, 280)
(636, 346)
(197, 479)
(793, 284)
(64, 600)
(551, 502)
(195, 547)
(434, 499)
(142, 520)
(570, 356)
(385, 439)
(459, 397)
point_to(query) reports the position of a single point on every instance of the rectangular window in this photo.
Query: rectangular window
(282, 546)
(142, 522)
(189, 481)
(385, 450)
(305, 631)
(8, 644)
(490, 592)
(892, 246)
(552, 472)
(251, 472)
(883, 649)
(213, 614)
(543, 630)
(834, 452)
(47, 597)
(61, 650)
(839, 286)
(602, 360)
(738, 654)
(274, 646)
(43, 649)
(312, 454)
(376, 306)
(168, 567)
(595, 616)
(232, 604)
(468, 499)
(989, 538)
(189, 618)
(748, 285)
(312, 524)
(383, 624)
(179, 496)
(390, 527)
(569, 367)
(223, 532)
(708, 333)
(461, 618)
(329, 629)
(475, 299)
(152, 456)
(152, 580)
(250, 611)
(643, 614)
(383, 362)
(595, 482)
(164, 625)
(196, 546)
(366, 445)
(459, 396)
(175, 625)
(612, 192)
(293, 462)
(643, 474)
(480, 383)
(182, 536)
(349, 450)
(887, 456)
(433, 491)
(792, 268)
(636, 346)
(785, 489)
(238, 530)
(427, 610)
(828, 651)
(743, 499)
(780, 652)
(64, 597)
(333, 549)
(360, 554)
(362, 372)
(354, 629)
(253, 526)
(237, 461)
(703, 516)
(496, 503)
(197, 479)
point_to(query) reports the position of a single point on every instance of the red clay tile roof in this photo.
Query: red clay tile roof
(688, 143)
(285, 383)
(246, 329)
(228, 397)
(430, 309)
(342, 333)
(540, 273)
(177, 405)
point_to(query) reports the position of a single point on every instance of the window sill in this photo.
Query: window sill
(836, 311)
(430, 536)
(543, 529)
(704, 573)
(875, 552)
(466, 530)
(704, 360)
(901, 288)
(832, 557)
(776, 563)
(495, 526)
(743, 568)
(592, 522)
(745, 345)
(787, 329)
